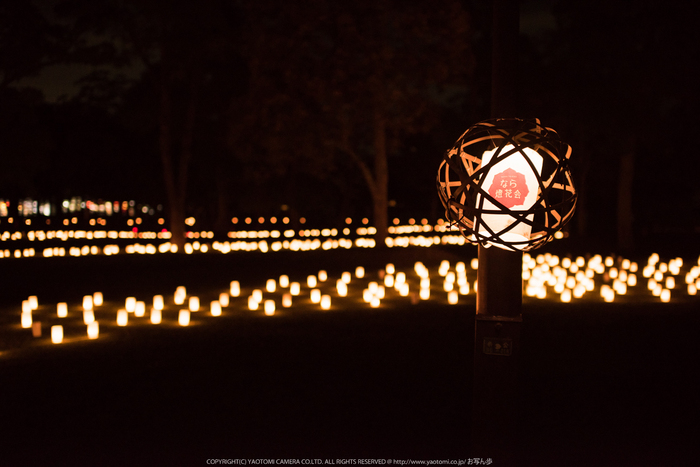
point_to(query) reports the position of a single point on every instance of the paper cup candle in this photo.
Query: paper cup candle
(507, 183)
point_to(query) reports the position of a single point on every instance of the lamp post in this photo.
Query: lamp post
(506, 184)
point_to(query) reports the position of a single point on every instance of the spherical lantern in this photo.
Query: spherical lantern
(507, 183)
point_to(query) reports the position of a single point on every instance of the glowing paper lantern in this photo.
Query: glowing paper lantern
(26, 306)
(97, 299)
(284, 281)
(88, 316)
(359, 272)
(269, 307)
(235, 289)
(565, 296)
(122, 317)
(311, 281)
(287, 300)
(215, 308)
(156, 316)
(36, 329)
(26, 319)
(388, 280)
(665, 295)
(294, 288)
(87, 302)
(130, 304)
(325, 302)
(270, 286)
(607, 293)
(452, 297)
(374, 302)
(424, 294)
(62, 309)
(342, 288)
(140, 309)
(158, 302)
(93, 330)
(194, 304)
(444, 267)
(183, 317)
(507, 183)
(257, 295)
(33, 302)
(346, 277)
(253, 303)
(224, 299)
(57, 334)
(315, 296)
(322, 276)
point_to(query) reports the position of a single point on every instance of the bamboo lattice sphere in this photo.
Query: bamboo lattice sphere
(507, 183)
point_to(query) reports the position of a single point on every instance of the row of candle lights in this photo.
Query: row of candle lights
(569, 278)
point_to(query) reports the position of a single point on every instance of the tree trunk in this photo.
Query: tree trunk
(380, 193)
(177, 219)
(625, 218)
(176, 184)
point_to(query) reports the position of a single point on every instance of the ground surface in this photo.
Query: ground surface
(600, 384)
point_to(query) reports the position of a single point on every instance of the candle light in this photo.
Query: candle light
(287, 300)
(93, 330)
(140, 309)
(88, 316)
(224, 299)
(215, 308)
(57, 334)
(97, 299)
(158, 302)
(359, 272)
(156, 316)
(325, 302)
(122, 317)
(235, 288)
(87, 302)
(194, 304)
(62, 309)
(295, 288)
(342, 288)
(665, 295)
(252, 303)
(311, 281)
(270, 286)
(130, 304)
(183, 317)
(322, 276)
(33, 302)
(269, 307)
(452, 297)
(284, 281)
(26, 319)
(315, 296)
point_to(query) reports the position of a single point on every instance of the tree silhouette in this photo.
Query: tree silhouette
(352, 79)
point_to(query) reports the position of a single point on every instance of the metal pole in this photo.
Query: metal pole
(499, 294)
